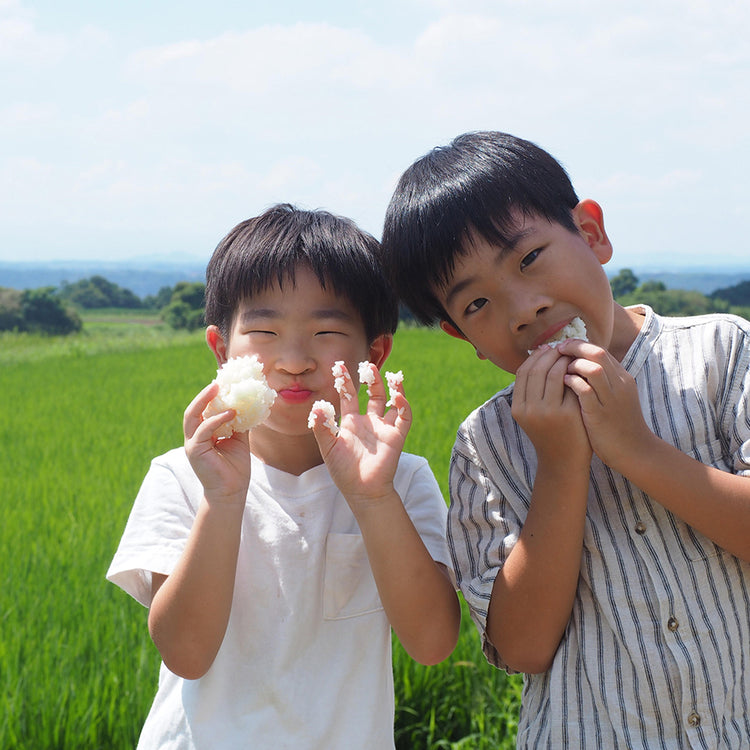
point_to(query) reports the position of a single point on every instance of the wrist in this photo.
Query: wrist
(364, 504)
(222, 499)
(564, 464)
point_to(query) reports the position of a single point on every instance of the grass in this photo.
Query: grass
(103, 331)
(83, 418)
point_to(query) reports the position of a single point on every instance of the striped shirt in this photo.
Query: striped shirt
(656, 653)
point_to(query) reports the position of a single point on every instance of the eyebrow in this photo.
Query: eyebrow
(270, 313)
(509, 245)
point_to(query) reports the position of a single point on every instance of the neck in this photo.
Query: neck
(294, 454)
(627, 325)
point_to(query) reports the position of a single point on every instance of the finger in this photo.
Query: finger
(595, 374)
(395, 381)
(345, 388)
(580, 348)
(367, 373)
(554, 384)
(324, 428)
(207, 428)
(589, 352)
(587, 396)
(400, 414)
(242, 438)
(193, 416)
(537, 376)
(376, 393)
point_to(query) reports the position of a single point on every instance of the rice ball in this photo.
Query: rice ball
(242, 387)
(576, 329)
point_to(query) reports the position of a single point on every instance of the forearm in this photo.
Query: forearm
(533, 594)
(416, 593)
(714, 502)
(190, 610)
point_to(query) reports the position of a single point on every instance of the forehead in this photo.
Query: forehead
(303, 295)
(477, 247)
(504, 237)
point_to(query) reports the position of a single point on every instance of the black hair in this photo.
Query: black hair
(476, 184)
(267, 249)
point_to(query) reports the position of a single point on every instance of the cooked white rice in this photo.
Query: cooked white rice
(330, 414)
(340, 377)
(242, 387)
(394, 379)
(366, 374)
(576, 329)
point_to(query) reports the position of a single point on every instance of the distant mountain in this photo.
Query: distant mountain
(142, 278)
(146, 276)
(705, 282)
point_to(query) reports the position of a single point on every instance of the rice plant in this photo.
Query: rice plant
(80, 426)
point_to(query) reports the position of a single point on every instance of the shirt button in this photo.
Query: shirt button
(640, 528)
(694, 719)
(672, 624)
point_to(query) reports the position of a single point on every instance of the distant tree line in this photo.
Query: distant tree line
(37, 311)
(56, 311)
(628, 290)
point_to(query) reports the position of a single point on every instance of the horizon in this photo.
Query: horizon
(148, 277)
(152, 129)
(177, 260)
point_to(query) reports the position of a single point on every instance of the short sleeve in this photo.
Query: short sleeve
(425, 504)
(158, 527)
(483, 527)
(736, 399)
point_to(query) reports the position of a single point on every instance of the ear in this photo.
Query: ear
(380, 349)
(451, 330)
(216, 344)
(589, 219)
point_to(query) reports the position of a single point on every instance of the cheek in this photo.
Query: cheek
(601, 315)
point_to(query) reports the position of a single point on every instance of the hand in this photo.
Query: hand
(547, 410)
(221, 464)
(362, 457)
(610, 406)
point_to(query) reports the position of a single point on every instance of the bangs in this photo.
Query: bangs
(267, 251)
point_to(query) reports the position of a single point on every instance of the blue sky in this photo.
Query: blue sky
(148, 129)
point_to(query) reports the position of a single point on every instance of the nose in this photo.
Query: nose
(295, 360)
(526, 306)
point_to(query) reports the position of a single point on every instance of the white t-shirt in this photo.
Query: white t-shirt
(306, 659)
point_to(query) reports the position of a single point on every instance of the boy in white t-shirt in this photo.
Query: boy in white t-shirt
(275, 562)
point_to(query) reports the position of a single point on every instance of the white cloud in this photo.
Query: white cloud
(22, 114)
(644, 102)
(22, 44)
(269, 59)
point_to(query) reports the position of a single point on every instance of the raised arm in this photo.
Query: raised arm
(715, 502)
(362, 458)
(190, 609)
(534, 590)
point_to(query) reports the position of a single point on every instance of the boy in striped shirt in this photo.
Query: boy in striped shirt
(600, 506)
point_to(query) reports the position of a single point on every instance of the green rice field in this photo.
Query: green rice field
(82, 418)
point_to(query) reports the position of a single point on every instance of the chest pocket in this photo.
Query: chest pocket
(349, 588)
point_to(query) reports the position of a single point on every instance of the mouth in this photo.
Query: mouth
(556, 334)
(295, 394)
(550, 333)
